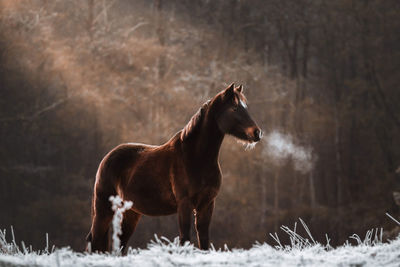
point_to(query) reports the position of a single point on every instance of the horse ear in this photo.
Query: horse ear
(229, 91)
(239, 88)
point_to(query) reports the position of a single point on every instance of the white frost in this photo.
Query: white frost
(303, 251)
(119, 207)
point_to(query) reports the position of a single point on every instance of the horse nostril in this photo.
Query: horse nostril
(257, 134)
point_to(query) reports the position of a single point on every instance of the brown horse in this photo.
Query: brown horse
(182, 175)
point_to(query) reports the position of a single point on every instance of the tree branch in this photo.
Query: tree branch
(382, 95)
(39, 112)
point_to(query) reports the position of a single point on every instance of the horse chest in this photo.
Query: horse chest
(196, 179)
(208, 181)
(206, 184)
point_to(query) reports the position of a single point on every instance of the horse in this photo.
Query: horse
(182, 176)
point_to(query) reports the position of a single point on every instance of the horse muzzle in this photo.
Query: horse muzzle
(254, 134)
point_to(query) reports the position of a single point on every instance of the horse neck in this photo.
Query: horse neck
(207, 142)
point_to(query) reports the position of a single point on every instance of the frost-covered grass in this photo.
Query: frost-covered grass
(303, 251)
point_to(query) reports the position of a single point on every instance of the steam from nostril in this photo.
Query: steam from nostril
(280, 147)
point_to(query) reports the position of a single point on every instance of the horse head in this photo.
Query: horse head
(233, 117)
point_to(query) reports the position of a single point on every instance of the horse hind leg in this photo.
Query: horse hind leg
(129, 222)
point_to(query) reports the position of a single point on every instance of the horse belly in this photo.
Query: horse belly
(151, 195)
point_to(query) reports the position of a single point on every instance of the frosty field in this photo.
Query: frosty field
(302, 252)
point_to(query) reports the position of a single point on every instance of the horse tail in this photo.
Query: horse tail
(101, 212)
(89, 237)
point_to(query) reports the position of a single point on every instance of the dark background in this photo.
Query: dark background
(79, 77)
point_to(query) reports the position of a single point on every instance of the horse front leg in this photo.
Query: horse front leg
(203, 219)
(185, 209)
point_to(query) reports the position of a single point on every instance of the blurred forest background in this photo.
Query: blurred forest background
(80, 77)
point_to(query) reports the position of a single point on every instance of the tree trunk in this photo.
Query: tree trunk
(293, 57)
(263, 183)
(160, 32)
(313, 202)
(305, 54)
(276, 200)
(90, 18)
(339, 181)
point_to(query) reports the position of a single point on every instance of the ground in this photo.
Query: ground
(161, 252)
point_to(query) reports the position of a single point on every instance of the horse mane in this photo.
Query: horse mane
(195, 122)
